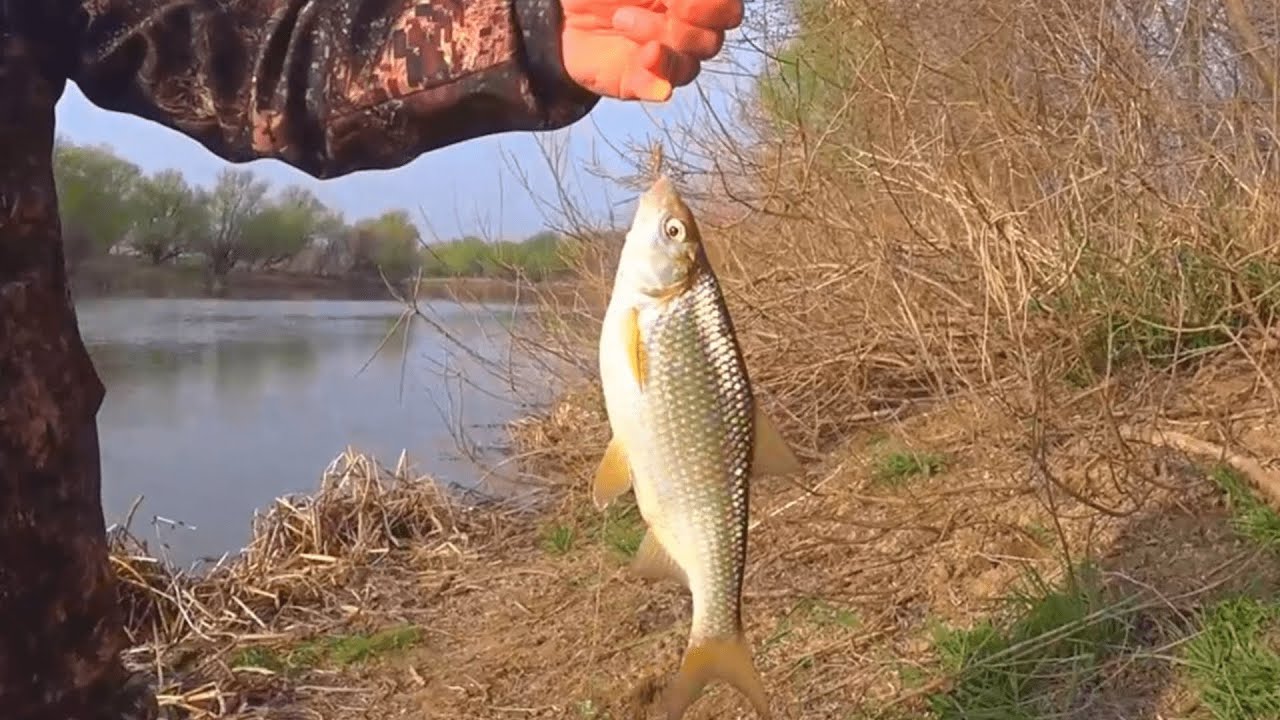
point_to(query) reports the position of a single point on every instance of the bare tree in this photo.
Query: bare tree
(236, 198)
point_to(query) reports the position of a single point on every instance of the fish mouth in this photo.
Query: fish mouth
(660, 190)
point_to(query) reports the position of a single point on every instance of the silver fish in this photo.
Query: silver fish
(688, 436)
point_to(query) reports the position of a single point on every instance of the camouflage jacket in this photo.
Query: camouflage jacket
(328, 86)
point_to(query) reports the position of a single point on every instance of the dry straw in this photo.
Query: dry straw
(1038, 238)
(306, 571)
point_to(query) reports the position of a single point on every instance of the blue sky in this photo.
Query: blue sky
(461, 189)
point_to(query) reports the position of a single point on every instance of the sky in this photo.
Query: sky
(465, 188)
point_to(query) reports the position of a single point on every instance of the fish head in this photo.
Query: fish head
(662, 246)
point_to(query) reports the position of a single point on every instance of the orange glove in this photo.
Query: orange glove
(640, 49)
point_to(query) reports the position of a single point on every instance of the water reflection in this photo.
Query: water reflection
(215, 407)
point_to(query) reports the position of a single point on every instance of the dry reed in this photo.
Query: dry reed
(1024, 233)
(1031, 234)
(366, 541)
(914, 202)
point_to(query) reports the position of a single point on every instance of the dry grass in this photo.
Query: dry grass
(367, 544)
(945, 592)
(1039, 241)
(1006, 272)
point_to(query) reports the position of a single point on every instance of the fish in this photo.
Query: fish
(687, 437)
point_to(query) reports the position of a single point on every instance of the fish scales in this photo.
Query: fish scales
(688, 437)
(698, 407)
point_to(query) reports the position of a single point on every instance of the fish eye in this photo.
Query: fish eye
(674, 229)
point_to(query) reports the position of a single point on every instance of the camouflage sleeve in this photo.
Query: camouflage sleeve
(329, 86)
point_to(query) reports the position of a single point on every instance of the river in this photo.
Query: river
(216, 407)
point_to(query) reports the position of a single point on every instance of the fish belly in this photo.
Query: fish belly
(693, 448)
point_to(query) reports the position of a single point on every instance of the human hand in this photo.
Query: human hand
(641, 49)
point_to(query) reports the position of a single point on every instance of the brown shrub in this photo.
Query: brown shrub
(999, 196)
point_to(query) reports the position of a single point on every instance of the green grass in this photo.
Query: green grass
(1037, 661)
(352, 649)
(558, 539)
(262, 657)
(338, 650)
(911, 676)
(624, 528)
(1046, 653)
(1234, 662)
(619, 529)
(1142, 313)
(897, 467)
(1250, 517)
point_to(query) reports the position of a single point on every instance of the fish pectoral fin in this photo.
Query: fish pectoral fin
(727, 659)
(613, 475)
(771, 455)
(652, 562)
(634, 347)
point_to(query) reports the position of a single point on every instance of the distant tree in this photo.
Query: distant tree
(237, 197)
(536, 258)
(805, 84)
(319, 218)
(541, 255)
(468, 256)
(389, 243)
(168, 216)
(283, 227)
(95, 191)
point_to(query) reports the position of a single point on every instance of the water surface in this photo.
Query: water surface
(216, 407)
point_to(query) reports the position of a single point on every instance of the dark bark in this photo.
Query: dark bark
(60, 633)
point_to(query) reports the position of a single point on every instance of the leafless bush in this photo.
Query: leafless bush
(917, 199)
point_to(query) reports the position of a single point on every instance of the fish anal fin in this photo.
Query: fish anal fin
(727, 659)
(771, 455)
(634, 347)
(613, 475)
(652, 562)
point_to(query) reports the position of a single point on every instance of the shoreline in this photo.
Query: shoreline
(394, 592)
(114, 277)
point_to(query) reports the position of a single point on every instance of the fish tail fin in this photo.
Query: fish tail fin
(727, 659)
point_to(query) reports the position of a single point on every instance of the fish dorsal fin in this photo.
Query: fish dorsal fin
(652, 562)
(771, 455)
(613, 475)
(722, 658)
(634, 347)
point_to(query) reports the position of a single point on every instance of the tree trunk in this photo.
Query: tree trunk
(60, 627)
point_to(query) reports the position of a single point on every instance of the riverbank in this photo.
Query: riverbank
(934, 565)
(118, 276)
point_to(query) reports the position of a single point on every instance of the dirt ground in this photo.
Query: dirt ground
(910, 528)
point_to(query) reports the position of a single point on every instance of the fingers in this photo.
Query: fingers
(683, 70)
(671, 49)
(644, 71)
(643, 26)
(645, 54)
(646, 77)
(676, 67)
(654, 71)
(710, 14)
